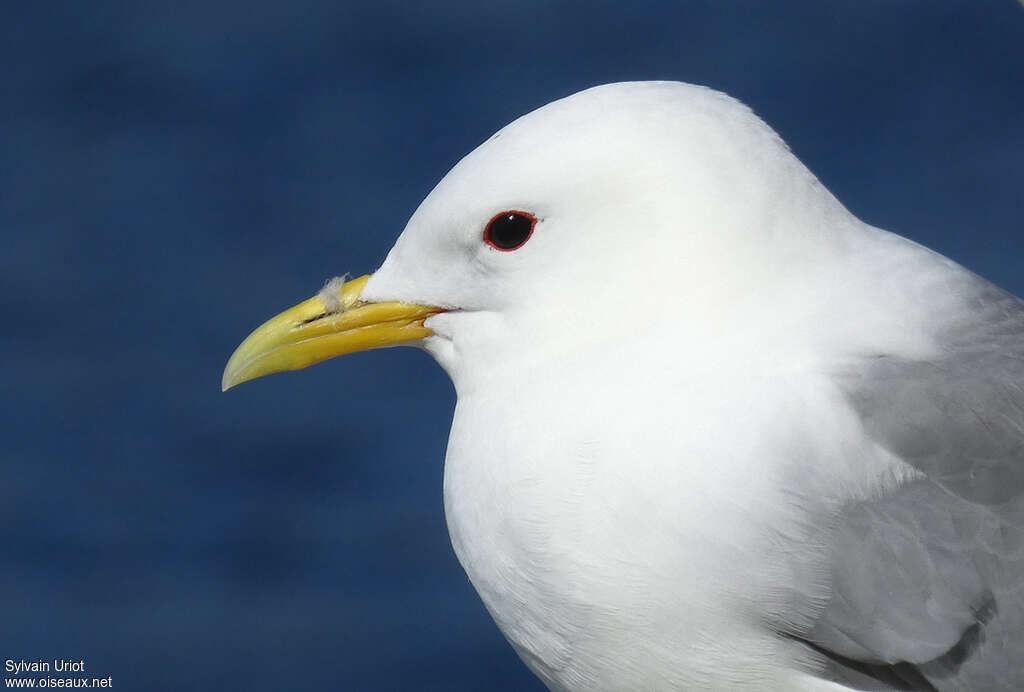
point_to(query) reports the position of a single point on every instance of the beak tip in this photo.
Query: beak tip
(229, 379)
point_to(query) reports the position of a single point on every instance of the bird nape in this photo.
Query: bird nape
(712, 431)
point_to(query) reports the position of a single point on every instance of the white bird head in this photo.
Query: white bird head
(626, 204)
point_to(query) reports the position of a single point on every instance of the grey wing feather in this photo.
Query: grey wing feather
(928, 581)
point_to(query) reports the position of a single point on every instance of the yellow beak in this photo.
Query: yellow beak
(332, 323)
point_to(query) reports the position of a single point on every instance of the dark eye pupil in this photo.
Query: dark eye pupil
(509, 230)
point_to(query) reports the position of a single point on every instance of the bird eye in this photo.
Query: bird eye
(509, 230)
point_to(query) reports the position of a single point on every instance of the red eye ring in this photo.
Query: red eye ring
(509, 230)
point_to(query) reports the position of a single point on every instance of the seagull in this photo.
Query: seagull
(712, 431)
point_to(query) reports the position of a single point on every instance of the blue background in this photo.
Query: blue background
(172, 174)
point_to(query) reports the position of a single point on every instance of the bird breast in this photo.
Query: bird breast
(591, 523)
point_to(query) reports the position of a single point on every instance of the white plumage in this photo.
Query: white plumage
(712, 431)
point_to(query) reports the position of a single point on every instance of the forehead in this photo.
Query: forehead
(611, 131)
